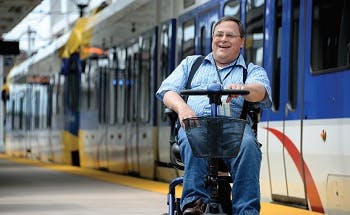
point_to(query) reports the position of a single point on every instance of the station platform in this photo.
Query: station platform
(40, 188)
(31, 187)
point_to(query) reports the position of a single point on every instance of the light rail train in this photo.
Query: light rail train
(94, 105)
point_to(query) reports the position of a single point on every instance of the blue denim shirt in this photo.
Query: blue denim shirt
(207, 74)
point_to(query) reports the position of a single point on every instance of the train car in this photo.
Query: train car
(97, 109)
(307, 54)
(34, 107)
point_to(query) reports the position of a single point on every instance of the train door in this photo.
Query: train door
(57, 118)
(36, 141)
(112, 107)
(283, 149)
(206, 21)
(89, 114)
(119, 136)
(146, 102)
(167, 65)
(132, 102)
(103, 112)
(20, 127)
(29, 120)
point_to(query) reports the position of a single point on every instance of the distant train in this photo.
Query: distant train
(94, 106)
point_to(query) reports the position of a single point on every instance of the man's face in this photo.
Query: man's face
(227, 42)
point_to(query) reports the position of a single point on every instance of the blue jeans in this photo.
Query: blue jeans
(244, 169)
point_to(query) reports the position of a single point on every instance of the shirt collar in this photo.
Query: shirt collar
(240, 61)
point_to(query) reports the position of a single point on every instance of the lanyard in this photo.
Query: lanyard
(217, 72)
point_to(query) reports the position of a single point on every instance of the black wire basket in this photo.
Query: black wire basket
(215, 137)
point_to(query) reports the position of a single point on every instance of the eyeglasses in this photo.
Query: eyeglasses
(220, 34)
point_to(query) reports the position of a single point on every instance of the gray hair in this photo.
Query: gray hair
(232, 19)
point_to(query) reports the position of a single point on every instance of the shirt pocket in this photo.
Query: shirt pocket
(201, 81)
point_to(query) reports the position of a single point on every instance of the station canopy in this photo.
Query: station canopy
(12, 12)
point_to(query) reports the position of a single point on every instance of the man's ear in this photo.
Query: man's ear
(243, 43)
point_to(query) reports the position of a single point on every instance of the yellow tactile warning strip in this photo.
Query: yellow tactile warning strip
(145, 184)
(154, 186)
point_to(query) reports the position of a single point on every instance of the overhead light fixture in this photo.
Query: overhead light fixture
(81, 4)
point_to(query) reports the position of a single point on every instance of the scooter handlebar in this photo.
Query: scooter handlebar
(211, 92)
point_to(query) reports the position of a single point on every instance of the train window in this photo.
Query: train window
(135, 102)
(131, 82)
(107, 87)
(17, 108)
(99, 93)
(232, 8)
(29, 105)
(49, 105)
(15, 118)
(277, 46)
(115, 82)
(20, 112)
(293, 53)
(113, 88)
(92, 85)
(128, 82)
(43, 106)
(202, 42)
(164, 40)
(164, 63)
(256, 3)
(330, 44)
(145, 79)
(121, 94)
(188, 41)
(54, 95)
(86, 87)
(8, 118)
(254, 31)
(73, 83)
(37, 109)
(102, 94)
(121, 85)
(121, 53)
(12, 113)
(91, 92)
(59, 97)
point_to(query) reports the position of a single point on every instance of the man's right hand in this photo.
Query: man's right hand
(184, 113)
(175, 102)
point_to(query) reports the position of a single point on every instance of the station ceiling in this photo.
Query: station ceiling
(13, 11)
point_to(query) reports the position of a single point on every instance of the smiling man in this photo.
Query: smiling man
(225, 65)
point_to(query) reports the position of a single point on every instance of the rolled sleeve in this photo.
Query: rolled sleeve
(257, 74)
(176, 81)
